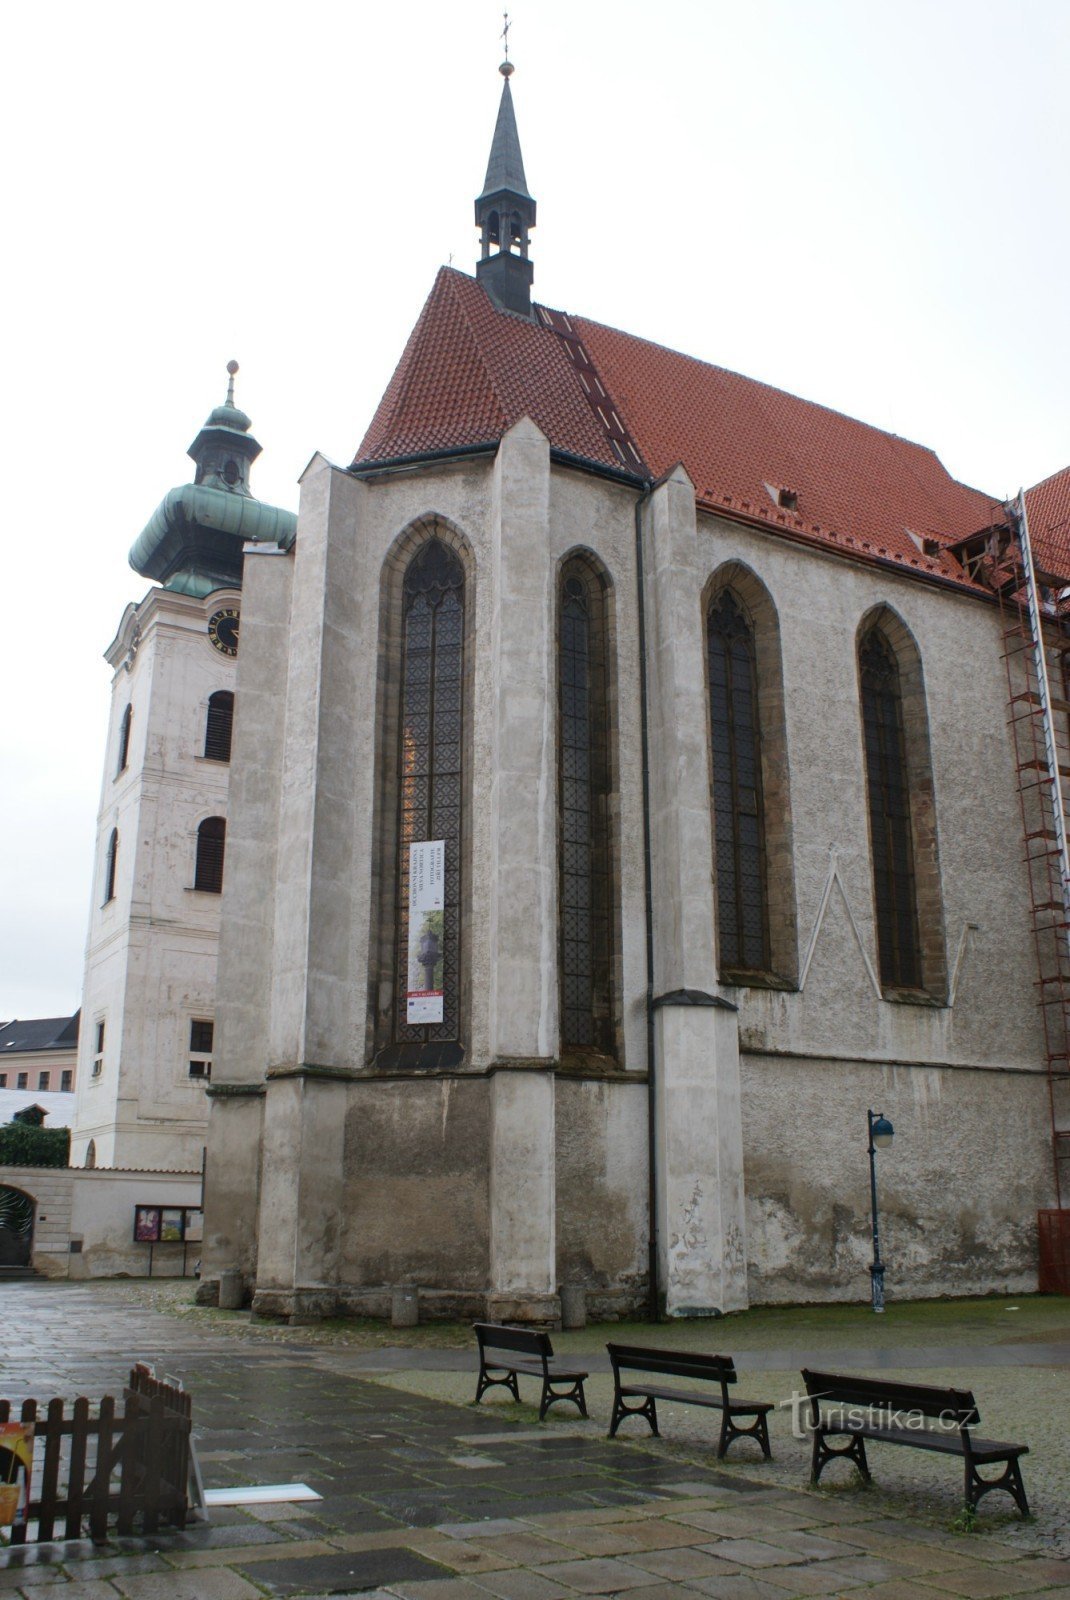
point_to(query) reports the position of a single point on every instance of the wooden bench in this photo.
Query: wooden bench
(506, 1352)
(916, 1415)
(719, 1370)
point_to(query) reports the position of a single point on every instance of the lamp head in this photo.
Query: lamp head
(880, 1131)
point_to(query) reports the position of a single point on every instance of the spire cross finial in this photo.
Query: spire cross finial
(504, 35)
(232, 367)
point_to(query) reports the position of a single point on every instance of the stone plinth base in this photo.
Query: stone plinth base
(295, 1306)
(542, 1310)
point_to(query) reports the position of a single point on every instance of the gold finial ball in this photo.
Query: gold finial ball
(232, 367)
(507, 69)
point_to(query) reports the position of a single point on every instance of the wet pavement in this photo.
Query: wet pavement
(425, 1500)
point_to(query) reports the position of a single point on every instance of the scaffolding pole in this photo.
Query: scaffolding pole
(1020, 519)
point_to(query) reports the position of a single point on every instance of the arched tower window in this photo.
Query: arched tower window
(211, 847)
(219, 726)
(738, 804)
(891, 836)
(585, 867)
(430, 785)
(111, 862)
(124, 740)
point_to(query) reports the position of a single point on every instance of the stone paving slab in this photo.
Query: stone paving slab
(424, 1500)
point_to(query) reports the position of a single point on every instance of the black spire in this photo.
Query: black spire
(505, 212)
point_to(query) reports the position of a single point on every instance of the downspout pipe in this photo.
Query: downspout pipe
(654, 1292)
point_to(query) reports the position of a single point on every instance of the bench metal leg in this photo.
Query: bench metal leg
(824, 1453)
(1010, 1479)
(730, 1430)
(550, 1395)
(487, 1382)
(648, 1409)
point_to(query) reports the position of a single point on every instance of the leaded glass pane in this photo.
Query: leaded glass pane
(430, 764)
(583, 840)
(894, 890)
(735, 739)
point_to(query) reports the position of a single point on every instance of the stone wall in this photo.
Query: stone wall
(84, 1220)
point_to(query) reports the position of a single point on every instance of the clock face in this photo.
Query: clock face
(223, 630)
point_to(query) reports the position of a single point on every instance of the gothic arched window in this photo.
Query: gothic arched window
(585, 894)
(738, 810)
(429, 780)
(888, 786)
(219, 725)
(211, 847)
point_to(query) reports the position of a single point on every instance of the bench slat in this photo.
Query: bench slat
(675, 1363)
(500, 1336)
(692, 1397)
(880, 1394)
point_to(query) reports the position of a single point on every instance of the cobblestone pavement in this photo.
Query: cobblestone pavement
(424, 1500)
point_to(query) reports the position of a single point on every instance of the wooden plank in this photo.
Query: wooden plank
(152, 1464)
(46, 1517)
(98, 1515)
(129, 1459)
(76, 1474)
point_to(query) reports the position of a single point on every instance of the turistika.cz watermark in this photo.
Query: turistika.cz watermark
(853, 1418)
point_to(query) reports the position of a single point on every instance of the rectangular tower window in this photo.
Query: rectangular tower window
(201, 1036)
(98, 1053)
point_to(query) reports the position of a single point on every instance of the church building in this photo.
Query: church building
(624, 798)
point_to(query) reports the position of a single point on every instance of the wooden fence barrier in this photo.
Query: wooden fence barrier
(87, 1468)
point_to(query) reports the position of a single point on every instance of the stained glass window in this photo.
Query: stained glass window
(430, 758)
(889, 814)
(586, 930)
(742, 905)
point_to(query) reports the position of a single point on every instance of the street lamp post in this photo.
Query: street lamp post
(880, 1136)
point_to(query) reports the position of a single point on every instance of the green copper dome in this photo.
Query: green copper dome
(193, 541)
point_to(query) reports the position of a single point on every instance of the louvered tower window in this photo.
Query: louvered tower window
(430, 756)
(124, 740)
(894, 888)
(735, 734)
(584, 863)
(211, 845)
(219, 725)
(111, 862)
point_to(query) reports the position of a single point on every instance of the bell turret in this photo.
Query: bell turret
(505, 214)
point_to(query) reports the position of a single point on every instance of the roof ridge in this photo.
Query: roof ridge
(760, 383)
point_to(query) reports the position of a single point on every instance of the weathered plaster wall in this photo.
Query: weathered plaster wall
(601, 1167)
(958, 1188)
(416, 1193)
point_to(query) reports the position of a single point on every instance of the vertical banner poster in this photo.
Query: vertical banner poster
(427, 885)
(16, 1465)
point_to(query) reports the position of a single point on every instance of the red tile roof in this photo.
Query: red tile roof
(1047, 506)
(470, 371)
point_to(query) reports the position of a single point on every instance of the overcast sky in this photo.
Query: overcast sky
(865, 204)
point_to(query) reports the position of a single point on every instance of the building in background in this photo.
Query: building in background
(38, 1055)
(147, 1039)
